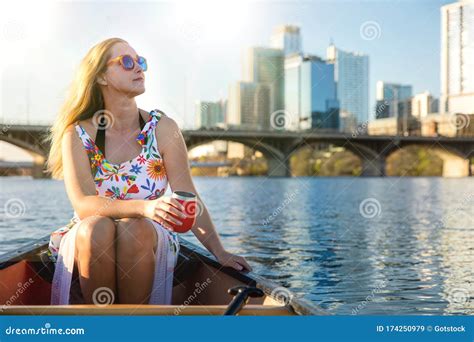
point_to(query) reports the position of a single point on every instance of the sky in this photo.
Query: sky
(194, 48)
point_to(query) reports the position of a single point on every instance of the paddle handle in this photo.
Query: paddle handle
(241, 296)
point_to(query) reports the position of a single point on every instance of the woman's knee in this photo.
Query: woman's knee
(136, 234)
(96, 232)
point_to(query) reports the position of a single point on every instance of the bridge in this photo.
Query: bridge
(278, 146)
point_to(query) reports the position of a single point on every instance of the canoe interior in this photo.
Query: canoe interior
(199, 287)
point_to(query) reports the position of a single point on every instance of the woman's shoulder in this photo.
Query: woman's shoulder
(166, 130)
(75, 127)
(162, 116)
(167, 124)
(85, 126)
(74, 134)
(158, 114)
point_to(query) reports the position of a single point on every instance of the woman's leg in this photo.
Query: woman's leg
(136, 247)
(95, 259)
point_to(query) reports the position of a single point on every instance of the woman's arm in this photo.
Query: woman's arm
(175, 157)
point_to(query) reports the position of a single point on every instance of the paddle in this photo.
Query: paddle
(241, 295)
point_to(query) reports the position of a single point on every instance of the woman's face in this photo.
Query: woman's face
(128, 82)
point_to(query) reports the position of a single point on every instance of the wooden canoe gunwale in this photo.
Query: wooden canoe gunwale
(189, 251)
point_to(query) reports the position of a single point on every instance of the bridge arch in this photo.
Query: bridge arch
(373, 164)
(24, 145)
(455, 162)
(278, 164)
(37, 154)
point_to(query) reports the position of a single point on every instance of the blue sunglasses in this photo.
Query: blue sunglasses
(128, 62)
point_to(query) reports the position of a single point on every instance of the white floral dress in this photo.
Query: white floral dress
(143, 177)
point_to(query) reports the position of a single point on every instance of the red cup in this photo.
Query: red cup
(188, 200)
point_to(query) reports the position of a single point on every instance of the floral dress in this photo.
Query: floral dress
(142, 177)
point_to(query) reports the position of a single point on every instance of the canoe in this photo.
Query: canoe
(201, 286)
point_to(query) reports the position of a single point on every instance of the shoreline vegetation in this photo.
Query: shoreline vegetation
(323, 161)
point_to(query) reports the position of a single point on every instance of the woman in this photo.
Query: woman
(116, 161)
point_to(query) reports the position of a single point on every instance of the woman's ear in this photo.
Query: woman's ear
(101, 80)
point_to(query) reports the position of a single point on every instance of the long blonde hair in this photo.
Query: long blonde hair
(83, 100)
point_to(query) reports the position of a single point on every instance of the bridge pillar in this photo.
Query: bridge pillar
(38, 167)
(278, 167)
(373, 167)
(454, 166)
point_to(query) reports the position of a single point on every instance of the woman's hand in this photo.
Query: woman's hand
(162, 210)
(228, 259)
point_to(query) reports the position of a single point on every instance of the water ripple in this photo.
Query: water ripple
(414, 257)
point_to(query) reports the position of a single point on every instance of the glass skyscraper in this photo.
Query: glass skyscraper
(310, 93)
(287, 38)
(457, 58)
(210, 114)
(249, 106)
(266, 66)
(393, 91)
(389, 96)
(351, 72)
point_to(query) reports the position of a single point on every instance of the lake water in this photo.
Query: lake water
(363, 246)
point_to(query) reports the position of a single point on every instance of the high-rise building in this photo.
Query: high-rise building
(423, 104)
(310, 93)
(389, 97)
(457, 58)
(286, 38)
(393, 91)
(210, 114)
(266, 66)
(249, 105)
(351, 72)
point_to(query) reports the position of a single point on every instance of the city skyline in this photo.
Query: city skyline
(184, 73)
(311, 44)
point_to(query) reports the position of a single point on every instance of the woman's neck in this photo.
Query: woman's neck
(124, 114)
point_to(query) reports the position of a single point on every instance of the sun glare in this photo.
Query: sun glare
(213, 20)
